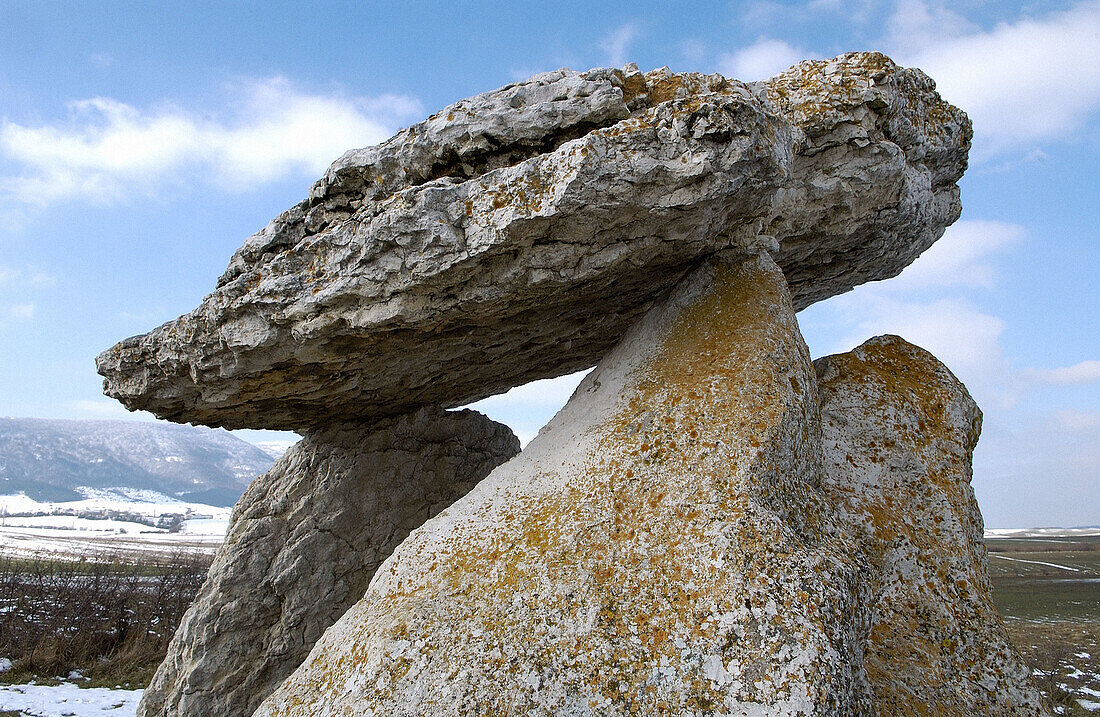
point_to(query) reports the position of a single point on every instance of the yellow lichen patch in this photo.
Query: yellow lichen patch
(816, 94)
(664, 89)
(633, 85)
(254, 279)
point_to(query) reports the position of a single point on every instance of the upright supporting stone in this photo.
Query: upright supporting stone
(899, 432)
(660, 548)
(303, 544)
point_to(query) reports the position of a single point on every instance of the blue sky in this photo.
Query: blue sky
(141, 143)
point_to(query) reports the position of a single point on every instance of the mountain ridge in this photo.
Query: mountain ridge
(52, 458)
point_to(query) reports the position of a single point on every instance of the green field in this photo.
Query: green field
(1048, 591)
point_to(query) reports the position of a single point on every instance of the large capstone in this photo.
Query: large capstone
(304, 541)
(518, 234)
(711, 525)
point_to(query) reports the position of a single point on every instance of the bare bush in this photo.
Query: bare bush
(107, 616)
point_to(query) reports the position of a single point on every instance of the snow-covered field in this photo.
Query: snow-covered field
(63, 528)
(29, 526)
(142, 502)
(67, 699)
(1042, 532)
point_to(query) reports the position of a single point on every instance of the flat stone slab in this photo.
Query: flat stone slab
(518, 234)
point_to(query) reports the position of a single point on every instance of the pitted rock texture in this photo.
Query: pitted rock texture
(660, 548)
(304, 541)
(518, 234)
(899, 431)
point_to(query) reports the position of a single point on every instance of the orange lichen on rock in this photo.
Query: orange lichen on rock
(900, 477)
(700, 531)
(665, 557)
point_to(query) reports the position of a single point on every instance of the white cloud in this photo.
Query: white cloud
(1033, 156)
(1021, 82)
(693, 50)
(1047, 463)
(1077, 374)
(109, 149)
(20, 312)
(552, 392)
(26, 277)
(960, 257)
(147, 316)
(763, 13)
(965, 338)
(1034, 79)
(916, 24)
(856, 12)
(922, 306)
(527, 408)
(761, 60)
(766, 16)
(1078, 420)
(616, 44)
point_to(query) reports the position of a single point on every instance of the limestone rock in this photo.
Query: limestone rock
(690, 536)
(899, 431)
(518, 234)
(304, 541)
(659, 548)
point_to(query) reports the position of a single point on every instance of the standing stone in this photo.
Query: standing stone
(304, 541)
(662, 547)
(899, 432)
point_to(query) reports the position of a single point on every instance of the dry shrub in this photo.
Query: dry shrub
(107, 616)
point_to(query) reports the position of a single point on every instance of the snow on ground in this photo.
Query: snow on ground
(73, 522)
(146, 503)
(275, 449)
(64, 527)
(206, 526)
(23, 541)
(1035, 562)
(68, 699)
(1042, 532)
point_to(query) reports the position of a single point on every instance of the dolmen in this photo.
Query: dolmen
(712, 525)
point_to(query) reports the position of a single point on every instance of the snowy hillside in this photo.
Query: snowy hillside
(107, 523)
(62, 460)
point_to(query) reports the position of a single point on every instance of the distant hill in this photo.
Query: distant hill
(49, 459)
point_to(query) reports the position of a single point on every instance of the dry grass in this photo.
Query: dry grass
(109, 618)
(1053, 613)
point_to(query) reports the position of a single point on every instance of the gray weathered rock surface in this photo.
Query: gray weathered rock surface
(899, 432)
(518, 234)
(660, 548)
(690, 536)
(304, 542)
